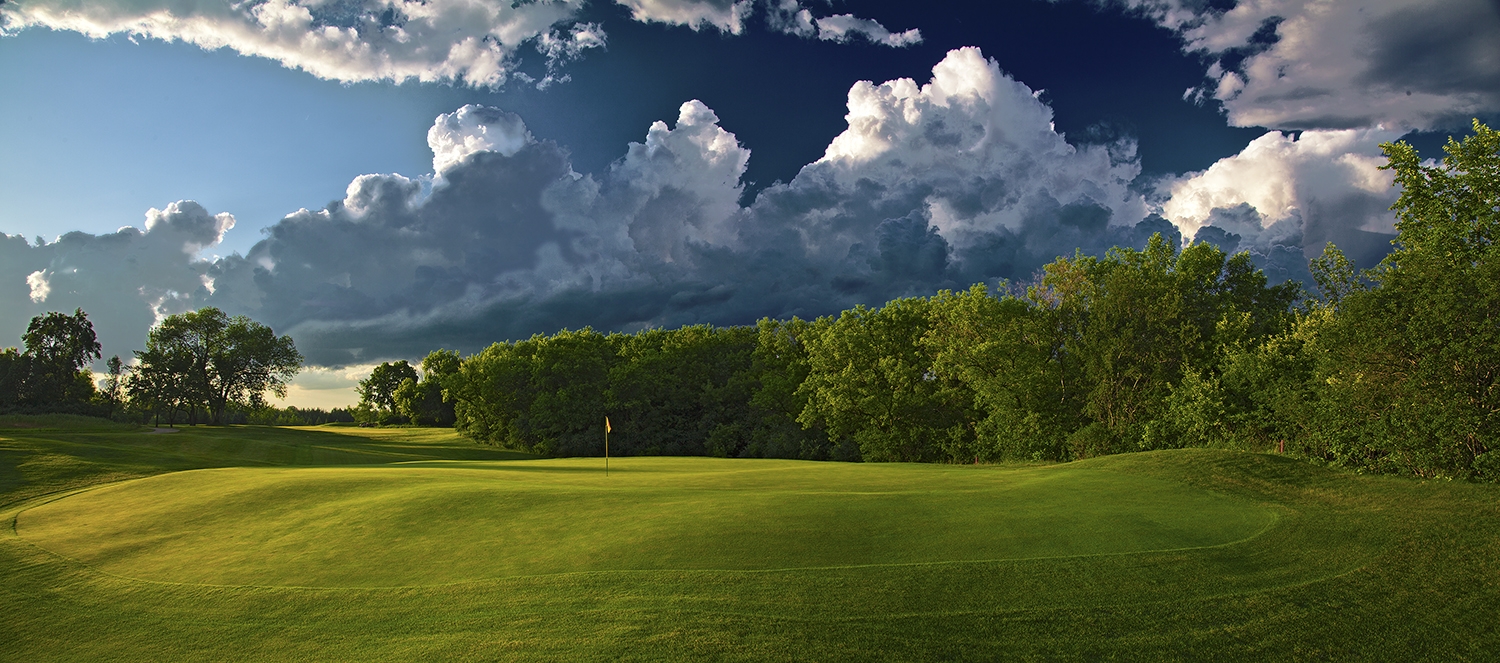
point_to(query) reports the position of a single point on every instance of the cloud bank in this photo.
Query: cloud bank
(936, 185)
(473, 42)
(1316, 64)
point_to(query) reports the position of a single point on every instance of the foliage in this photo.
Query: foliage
(1411, 363)
(52, 374)
(424, 402)
(778, 367)
(681, 392)
(871, 380)
(544, 394)
(207, 360)
(377, 393)
(1012, 352)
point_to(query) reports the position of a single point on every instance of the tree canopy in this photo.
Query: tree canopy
(206, 359)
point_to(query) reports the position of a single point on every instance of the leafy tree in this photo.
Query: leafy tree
(14, 368)
(871, 380)
(59, 347)
(569, 392)
(206, 359)
(377, 393)
(545, 395)
(1013, 353)
(683, 391)
(778, 367)
(492, 392)
(1411, 365)
(423, 402)
(114, 382)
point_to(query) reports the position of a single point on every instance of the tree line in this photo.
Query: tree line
(1392, 369)
(200, 366)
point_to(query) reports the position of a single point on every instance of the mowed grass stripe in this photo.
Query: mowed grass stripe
(457, 522)
(1353, 568)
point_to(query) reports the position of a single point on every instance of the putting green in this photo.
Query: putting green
(446, 522)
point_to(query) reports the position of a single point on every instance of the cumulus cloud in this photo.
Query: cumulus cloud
(941, 184)
(473, 41)
(124, 280)
(936, 185)
(1295, 64)
(726, 15)
(1290, 194)
(473, 129)
(790, 17)
(843, 27)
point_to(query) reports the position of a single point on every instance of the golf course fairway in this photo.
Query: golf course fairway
(345, 544)
(436, 523)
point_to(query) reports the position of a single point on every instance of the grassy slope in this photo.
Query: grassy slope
(1352, 568)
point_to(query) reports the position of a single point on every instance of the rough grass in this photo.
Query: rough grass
(331, 544)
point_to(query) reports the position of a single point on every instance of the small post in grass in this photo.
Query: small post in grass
(606, 445)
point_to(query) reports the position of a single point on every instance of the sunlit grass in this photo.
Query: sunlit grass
(402, 544)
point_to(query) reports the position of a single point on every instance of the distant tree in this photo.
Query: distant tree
(423, 401)
(14, 368)
(206, 359)
(114, 381)
(377, 393)
(59, 347)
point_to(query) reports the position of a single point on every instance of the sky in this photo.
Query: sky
(383, 178)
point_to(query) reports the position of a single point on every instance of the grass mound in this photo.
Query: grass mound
(434, 523)
(375, 544)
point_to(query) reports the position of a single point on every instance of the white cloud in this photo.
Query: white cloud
(472, 129)
(842, 27)
(726, 15)
(325, 387)
(931, 186)
(199, 230)
(1293, 190)
(473, 41)
(790, 17)
(1409, 64)
(983, 144)
(938, 185)
(40, 288)
(681, 185)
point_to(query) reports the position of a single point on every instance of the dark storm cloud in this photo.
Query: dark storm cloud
(934, 186)
(939, 185)
(1300, 64)
(1452, 51)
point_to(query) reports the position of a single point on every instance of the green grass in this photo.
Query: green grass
(334, 543)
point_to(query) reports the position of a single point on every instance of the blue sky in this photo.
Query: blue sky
(277, 158)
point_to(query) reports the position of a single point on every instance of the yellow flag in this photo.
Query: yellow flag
(606, 425)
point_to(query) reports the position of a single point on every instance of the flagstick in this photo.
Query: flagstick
(606, 446)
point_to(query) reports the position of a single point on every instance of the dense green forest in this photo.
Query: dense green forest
(1391, 369)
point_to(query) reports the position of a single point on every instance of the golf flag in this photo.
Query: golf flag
(606, 425)
(606, 445)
